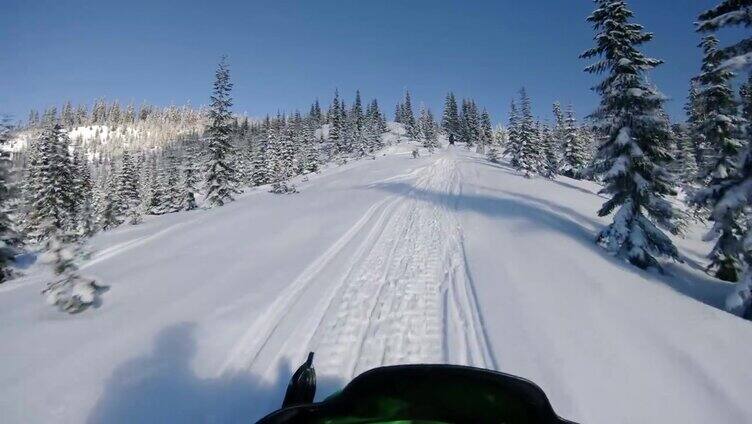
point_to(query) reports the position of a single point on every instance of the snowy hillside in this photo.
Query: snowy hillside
(445, 258)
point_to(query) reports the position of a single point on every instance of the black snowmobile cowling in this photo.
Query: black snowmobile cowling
(420, 394)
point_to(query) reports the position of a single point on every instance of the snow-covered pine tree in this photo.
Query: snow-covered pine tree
(221, 179)
(720, 124)
(513, 147)
(355, 128)
(281, 157)
(575, 155)
(486, 132)
(558, 131)
(190, 177)
(685, 164)
(745, 96)
(310, 155)
(450, 121)
(374, 126)
(109, 204)
(427, 129)
(33, 120)
(734, 196)
(9, 238)
(730, 13)
(336, 126)
(550, 162)
(84, 195)
(259, 174)
(721, 129)
(128, 194)
(632, 157)
(695, 116)
(53, 202)
(408, 118)
(733, 193)
(69, 291)
(531, 152)
(66, 115)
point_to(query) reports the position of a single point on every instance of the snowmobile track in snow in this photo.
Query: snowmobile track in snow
(404, 295)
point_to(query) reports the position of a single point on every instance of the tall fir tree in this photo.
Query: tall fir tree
(530, 159)
(53, 200)
(486, 132)
(575, 156)
(631, 159)
(336, 125)
(9, 237)
(408, 118)
(734, 191)
(550, 157)
(190, 178)
(720, 128)
(513, 147)
(128, 194)
(427, 128)
(450, 121)
(221, 178)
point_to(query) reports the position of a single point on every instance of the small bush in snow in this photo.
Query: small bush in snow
(70, 291)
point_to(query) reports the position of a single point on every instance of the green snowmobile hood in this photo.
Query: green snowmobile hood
(435, 394)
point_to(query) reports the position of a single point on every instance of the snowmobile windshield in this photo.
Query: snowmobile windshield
(427, 394)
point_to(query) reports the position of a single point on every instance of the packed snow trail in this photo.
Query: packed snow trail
(404, 296)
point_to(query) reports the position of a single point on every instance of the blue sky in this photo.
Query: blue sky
(283, 54)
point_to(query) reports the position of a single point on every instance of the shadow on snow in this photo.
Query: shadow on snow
(161, 387)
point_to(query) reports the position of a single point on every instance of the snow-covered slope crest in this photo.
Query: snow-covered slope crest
(443, 258)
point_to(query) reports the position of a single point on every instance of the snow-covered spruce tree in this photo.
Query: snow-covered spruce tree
(128, 194)
(730, 13)
(450, 121)
(408, 118)
(84, 195)
(469, 123)
(190, 177)
(109, 204)
(550, 162)
(336, 126)
(427, 129)
(734, 196)
(695, 116)
(513, 147)
(685, 164)
(398, 113)
(221, 178)
(531, 152)
(69, 291)
(745, 96)
(9, 238)
(632, 157)
(575, 155)
(354, 129)
(281, 163)
(375, 125)
(486, 133)
(721, 130)
(53, 201)
(734, 191)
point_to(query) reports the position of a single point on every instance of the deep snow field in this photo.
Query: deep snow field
(447, 258)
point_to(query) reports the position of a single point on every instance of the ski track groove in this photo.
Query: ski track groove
(405, 295)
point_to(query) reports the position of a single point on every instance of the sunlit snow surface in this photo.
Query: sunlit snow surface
(444, 258)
